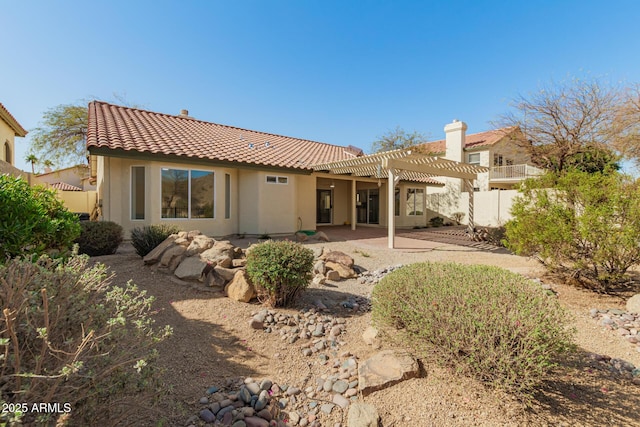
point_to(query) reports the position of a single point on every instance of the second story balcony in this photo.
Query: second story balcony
(512, 173)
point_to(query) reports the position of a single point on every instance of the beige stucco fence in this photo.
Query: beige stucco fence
(491, 208)
(78, 201)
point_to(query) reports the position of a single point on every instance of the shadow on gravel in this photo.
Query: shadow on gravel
(586, 392)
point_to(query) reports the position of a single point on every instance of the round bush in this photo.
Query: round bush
(279, 270)
(99, 238)
(32, 220)
(144, 239)
(488, 322)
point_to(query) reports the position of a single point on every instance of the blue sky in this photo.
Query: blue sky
(333, 71)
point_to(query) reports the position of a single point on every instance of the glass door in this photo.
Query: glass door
(323, 206)
(374, 206)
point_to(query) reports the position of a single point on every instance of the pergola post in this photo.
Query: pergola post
(391, 211)
(353, 205)
(469, 187)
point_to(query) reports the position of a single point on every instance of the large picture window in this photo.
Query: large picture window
(187, 193)
(415, 201)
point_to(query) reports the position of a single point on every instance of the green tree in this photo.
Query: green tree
(563, 121)
(62, 134)
(396, 139)
(31, 158)
(583, 226)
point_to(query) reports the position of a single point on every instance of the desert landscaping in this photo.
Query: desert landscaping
(320, 363)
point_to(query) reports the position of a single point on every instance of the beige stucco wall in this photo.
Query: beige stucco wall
(114, 184)
(7, 135)
(306, 202)
(277, 212)
(78, 201)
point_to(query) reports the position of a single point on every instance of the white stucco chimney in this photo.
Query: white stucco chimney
(455, 138)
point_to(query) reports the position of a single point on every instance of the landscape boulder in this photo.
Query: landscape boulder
(156, 253)
(633, 304)
(343, 271)
(172, 253)
(239, 289)
(191, 268)
(362, 415)
(221, 253)
(385, 369)
(199, 244)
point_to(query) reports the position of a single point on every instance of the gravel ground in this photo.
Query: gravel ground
(213, 344)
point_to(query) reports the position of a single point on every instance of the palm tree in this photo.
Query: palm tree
(47, 164)
(31, 158)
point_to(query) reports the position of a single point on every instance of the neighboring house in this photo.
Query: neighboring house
(159, 168)
(496, 149)
(73, 178)
(9, 129)
(509, 164)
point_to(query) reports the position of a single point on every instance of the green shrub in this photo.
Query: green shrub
(279, 270)
(436, 221)
(33, 220)
(69, 336)
(144, 239)
(488, 322)
(583, 226)
(99, 238)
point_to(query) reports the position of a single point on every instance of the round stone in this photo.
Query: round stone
(340, 386)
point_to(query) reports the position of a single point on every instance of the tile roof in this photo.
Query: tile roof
(11, 121)
(64, 186)
(115, 127)
(474, 140)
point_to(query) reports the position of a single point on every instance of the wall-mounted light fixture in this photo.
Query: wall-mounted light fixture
(333, 185)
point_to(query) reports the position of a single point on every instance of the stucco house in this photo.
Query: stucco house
(72, 178)
(507, 164)
(159, 168)
(9, 129)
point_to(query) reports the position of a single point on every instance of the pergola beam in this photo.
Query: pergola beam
(429, 169)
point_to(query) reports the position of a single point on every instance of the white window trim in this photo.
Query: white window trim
(188, 169)
(277, 177)
(469, 159)
(131, 194)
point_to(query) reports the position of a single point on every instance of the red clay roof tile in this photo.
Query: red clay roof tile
(115, 127)
(473, 140)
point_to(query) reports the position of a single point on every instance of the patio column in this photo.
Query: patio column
(469, 187)
(391, 194)
(353, 205)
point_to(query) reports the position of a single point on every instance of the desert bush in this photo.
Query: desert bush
(279, 270)
(33, 220)
(69, 337)
(99, 238)
(583, 226)
(486, 321)
(436, 221)
(458, 217)
(144, 239)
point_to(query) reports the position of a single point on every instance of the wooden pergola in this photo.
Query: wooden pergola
(403, 164)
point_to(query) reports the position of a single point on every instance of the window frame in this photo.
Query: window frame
(414, 198)
(144, 208)
(189, 195)
(477, 163)
(276, 179)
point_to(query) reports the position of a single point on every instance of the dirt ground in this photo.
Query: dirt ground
(213, 344)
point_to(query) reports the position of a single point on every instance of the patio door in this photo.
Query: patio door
(368, 206)
(324, 206)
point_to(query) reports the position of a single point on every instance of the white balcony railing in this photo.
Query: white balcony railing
(513, 172)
